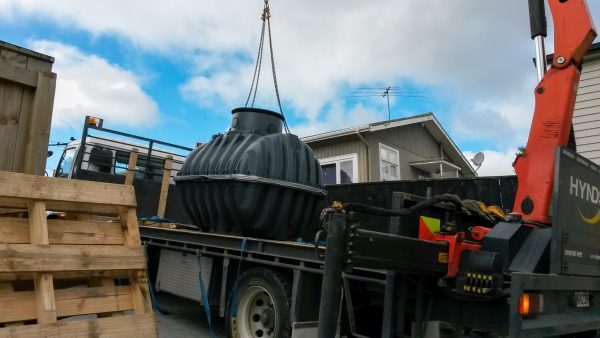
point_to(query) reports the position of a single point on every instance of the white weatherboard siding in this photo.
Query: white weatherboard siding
(586, 118)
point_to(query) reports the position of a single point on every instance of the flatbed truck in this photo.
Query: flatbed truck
(536, 273)
(375, 301)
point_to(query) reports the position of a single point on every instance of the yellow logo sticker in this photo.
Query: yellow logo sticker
(592, 220)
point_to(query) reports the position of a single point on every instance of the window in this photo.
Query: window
(66, 162)
(121, 163)
(143, 169)
(340, 169)
(389, 163)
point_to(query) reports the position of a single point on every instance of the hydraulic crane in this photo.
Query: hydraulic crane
(472, 255)
(574, 33)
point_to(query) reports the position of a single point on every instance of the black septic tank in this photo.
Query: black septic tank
(253, 180)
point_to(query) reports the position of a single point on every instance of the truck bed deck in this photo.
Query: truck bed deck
(287, 254)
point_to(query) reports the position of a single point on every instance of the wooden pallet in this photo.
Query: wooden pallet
(56, 269)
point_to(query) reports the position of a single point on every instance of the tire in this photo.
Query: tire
(263, 306)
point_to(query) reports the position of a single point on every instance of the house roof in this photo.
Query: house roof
(428, 120)
(593, 52)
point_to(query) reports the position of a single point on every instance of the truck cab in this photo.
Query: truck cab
(111, 156)
(103, 155)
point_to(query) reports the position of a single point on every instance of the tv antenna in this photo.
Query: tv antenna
(385, 92)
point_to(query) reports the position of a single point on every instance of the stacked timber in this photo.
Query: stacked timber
(78, 277)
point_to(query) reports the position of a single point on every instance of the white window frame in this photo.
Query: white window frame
(388, 148)
(337, 159)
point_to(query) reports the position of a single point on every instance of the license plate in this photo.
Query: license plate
(581, 299)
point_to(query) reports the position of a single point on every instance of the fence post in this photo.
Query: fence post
(131, 166)
(164, 188)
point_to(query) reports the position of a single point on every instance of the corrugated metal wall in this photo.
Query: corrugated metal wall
(586, 118)
(343, 146)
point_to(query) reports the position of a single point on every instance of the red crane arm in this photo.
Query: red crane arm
(574, 33)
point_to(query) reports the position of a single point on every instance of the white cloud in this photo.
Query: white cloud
(496, 162)
(166, 26)
(338, 118)
(477, 52)
(499, 122)
(88, 84)
(323, 47)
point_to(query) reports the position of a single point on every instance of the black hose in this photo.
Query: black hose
(367, 209)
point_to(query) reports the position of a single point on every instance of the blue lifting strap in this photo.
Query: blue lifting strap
(235, 287)
(204, 297)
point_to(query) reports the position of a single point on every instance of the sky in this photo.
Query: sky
(173, 70)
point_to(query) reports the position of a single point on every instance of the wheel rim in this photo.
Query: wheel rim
(256, 315)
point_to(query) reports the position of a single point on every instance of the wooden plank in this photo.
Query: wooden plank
(16, 185)
(10, 103)
(133, 155)
(44, 297)
(137, 279)
(15, 205)
(160, 225)
(35, 63)
(45, 304)
(6, 287)
(123, 326)
(140, 295)
(20, 306)
(131, 229)
(38, 224)
(15, 231)
(17, 75)
(36, 146)
(85, 275)
(22, 130)
(164, 188)
(79, 301)
(106, 282)
(50, 258)
(14, 58)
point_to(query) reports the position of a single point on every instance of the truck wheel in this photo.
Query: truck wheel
(263, 306)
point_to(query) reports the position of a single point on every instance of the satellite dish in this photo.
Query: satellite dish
(478, 159)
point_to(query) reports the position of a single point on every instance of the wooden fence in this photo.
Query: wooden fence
(27, 86)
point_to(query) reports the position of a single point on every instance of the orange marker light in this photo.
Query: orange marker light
(524, 304)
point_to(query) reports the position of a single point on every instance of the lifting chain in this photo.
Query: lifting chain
(266, 24)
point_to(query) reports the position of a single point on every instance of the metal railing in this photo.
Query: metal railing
(151, 160)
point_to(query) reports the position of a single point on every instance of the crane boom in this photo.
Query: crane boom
(574, 33)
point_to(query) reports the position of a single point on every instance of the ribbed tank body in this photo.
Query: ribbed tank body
(253, 180)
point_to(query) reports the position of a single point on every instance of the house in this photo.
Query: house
(410, 148)
(586, 118)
